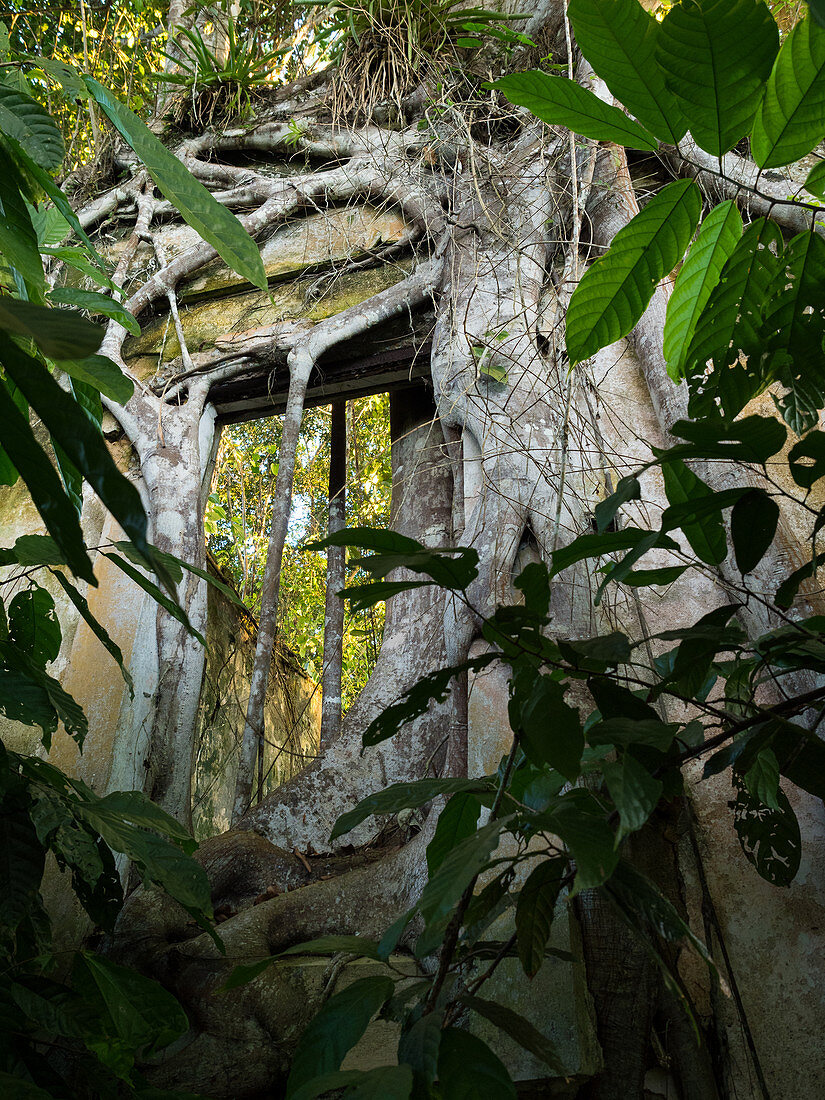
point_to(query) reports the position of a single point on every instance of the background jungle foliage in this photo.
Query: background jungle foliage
(747, 313)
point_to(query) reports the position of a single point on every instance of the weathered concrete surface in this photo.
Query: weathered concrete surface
(292, 715)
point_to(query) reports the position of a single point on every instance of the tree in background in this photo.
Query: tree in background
(560, 352)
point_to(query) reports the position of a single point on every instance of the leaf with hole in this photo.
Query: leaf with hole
(769, 837)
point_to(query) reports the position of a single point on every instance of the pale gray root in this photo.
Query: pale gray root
(332, 675)
(407, 295)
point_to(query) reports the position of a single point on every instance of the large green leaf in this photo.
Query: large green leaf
(401, 796)
(324, 945)
(562, 102)
(753, 523)
(616, 288)
(815, 183)
(197, 206)
(55, 508)
(794, 328)
(95, 303)
(134, 1009)
(416, 701)
(717, 55)
(580, 822)
(791, 118)
(699, 274)
(336, 1029)
(101, 373)
(635, 792)
(456, 821)
(468, 1069)
(79, 438)
(535, 909)
(519, 1029)
(58, 333)
(33, 624)
(40, 692)
(549, 729)
(22, 860)
(23, 119)
(706, 534)
(379, 1083)
(18, 238)
(466, 860)
(619, 40)
(174, 609)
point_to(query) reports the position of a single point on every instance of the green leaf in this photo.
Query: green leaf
(79, 438)
(812, 447)
(605, 511)
(791, 118)
(380, 1083)
(700, 273)
(456, 821)
(769, 838)
(468, 1069)
(762, 779)
(549, 729)
(95, 303)
(324, 945)
(42, 696)
(174, 609)
(197, 206)
(753, 524)
(562, 102)
(595, 546)
(615, 701)
(616, 289)
(18, 239)
(633, 731)
(644, 908)
(634, 791)
(519, 1029)
(619, 40)
(643, 578)
(700, 645)
(365, 596)
(815, 183)
(16, 1088)
(706, 534)
(535, 909)
(59, 333)
(96, 627)
(750, 439)
(401, 796)
(336, 1029)
(731, 322)
(716, 56)
(135, 809)
(134, 1009)
(580, 822)
(794, 328)
(37, 550)
(33, 625)
(416, 701)
(786, 593)
(23, 119)
(174, 566)
(457, 870)
(605, 650)
(418, 1046)
(51, 189)
(22, 860)
(534, 582)
(66, 75)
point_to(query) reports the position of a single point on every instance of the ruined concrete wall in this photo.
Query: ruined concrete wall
(292, 717)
